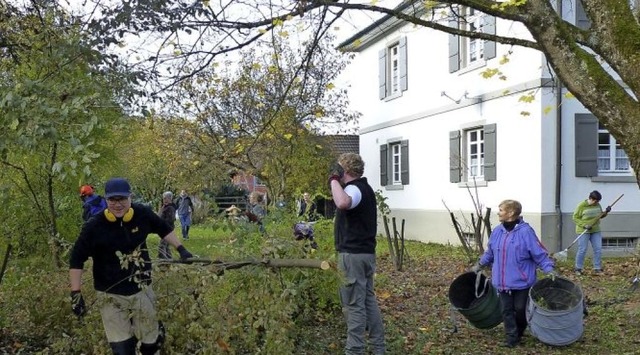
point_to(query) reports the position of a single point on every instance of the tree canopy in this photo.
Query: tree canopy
(597, 63)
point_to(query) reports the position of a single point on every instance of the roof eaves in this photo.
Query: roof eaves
(370, 34)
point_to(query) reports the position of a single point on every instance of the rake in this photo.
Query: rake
(562, 255)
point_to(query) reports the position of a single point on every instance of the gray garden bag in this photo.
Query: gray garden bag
(555, 311)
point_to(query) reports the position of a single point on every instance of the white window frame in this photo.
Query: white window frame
(611, 153)
(474, 158)
(393, 68)
(396, 163)
(472, 49)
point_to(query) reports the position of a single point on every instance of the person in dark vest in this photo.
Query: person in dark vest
(92, 203)
(355, 241)
(124, 292)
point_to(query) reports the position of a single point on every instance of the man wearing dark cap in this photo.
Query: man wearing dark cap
(116, 241)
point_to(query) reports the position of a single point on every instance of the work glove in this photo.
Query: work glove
(552, 274)
(184, 253)
(587, 226)
(476, 268)
(608, 209)
(77, 304)
(336, 172)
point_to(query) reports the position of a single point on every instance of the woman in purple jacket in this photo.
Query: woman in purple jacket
(514, 251)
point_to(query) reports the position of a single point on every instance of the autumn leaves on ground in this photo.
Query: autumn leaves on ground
(239, 314)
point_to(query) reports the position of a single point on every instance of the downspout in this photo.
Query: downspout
(558, 189)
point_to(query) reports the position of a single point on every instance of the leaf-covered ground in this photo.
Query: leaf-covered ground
(419, 319)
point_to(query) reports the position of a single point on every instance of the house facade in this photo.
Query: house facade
(445, 118)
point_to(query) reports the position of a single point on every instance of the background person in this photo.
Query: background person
(307, 208)
(127, 299)
(92, 203)
(355, 241)
(168, 213)
(185, 209)
(515, 251)
(587, 217)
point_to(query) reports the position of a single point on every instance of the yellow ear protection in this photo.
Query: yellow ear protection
(112, 218)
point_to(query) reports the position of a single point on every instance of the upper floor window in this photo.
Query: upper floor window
(472, 48)
(394, 163)
(611, 157)
(472, 154)
(392, 67)
(465, 52)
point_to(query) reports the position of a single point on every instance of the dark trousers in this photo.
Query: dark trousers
(514, 305)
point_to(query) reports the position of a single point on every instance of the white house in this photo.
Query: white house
(432, 126)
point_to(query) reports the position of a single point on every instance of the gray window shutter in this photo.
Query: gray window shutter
(404, 163)
(582, 21)
(454, 157)
(382, 73)
(489, 28)
(402, 47)
(454, 49)
(490, 152)
(384, 151)
(586, 145)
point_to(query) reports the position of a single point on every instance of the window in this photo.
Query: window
(597, 153)
(619, 243)
(611, 157)
(467, 52)
(475, 153)
(472, 48)
(472, 154)
(392, 66)
(394, 164)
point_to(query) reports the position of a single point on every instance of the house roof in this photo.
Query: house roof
(341, 143)
(370, 34)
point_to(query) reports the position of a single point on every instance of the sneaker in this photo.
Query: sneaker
(578, 272)
(598, 271)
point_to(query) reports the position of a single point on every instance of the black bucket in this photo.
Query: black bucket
(555, 311)
(474, 297)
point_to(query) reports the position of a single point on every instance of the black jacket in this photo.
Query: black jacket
(107, 242)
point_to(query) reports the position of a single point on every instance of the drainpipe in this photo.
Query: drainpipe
(558, 188)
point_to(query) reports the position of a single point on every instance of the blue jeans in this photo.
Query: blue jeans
(596, 244)
(185, 223)
(359, 303)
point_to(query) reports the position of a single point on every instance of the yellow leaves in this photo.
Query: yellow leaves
(283, 34)
(569, 95)
(177, 52)
(429, 4)
(205, 3)
(195, 163)
(384, 294)
(330, 86)
(547, 109)
(288, 136)
(490, 72)
(262, 31)
(506, 92)
(504, 60)
(278, 22)
(235, 126)
(373, 2)
(260, 105)
(527, 98)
